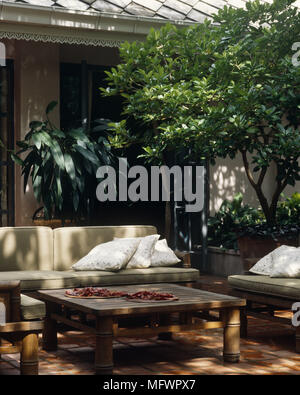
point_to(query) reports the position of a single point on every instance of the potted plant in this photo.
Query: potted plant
(224, 226)
(62, 167)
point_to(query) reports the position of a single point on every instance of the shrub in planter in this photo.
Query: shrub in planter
(223, 227)
(236, 226)
(259, 239)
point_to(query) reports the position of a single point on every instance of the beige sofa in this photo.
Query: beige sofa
(265, 297)
(41, 258)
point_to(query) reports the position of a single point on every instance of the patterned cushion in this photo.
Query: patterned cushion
(265, 265)
(163, 255)
(142, 257)
(287, 264)
(111, 256)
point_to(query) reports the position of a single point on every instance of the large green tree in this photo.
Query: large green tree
(222, 88)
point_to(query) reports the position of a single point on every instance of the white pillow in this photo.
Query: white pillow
(287, 264)
(142, 256)
(163, 255)
(110, 256)
(264, 265)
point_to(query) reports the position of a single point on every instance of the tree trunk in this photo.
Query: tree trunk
(267, 209)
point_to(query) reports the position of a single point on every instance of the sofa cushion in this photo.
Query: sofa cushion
(141, 259)
(32, 309)
(40, 279)
(73, 243)
(163, 255)
(137, 276)
(111, 256)
(26, 248)
(282, 287)
(265, 265)
(287, 265)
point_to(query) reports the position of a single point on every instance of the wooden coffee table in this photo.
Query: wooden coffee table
(110, 318)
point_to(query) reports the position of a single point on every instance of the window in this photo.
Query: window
(80, 95)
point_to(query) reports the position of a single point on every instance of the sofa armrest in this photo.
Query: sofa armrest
(185, 258)
(22, 326)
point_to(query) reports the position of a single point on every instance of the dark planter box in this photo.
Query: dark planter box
(252, 248)
(219, 262)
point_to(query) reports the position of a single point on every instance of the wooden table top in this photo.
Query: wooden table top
(190, 299)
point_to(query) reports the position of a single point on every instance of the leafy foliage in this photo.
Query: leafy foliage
(288, 211)
(220, 89)
(225, 225)
(264, 230)
(234, 220)
(62, 165)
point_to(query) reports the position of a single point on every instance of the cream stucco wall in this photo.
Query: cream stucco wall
(37, 84)
(228, 178)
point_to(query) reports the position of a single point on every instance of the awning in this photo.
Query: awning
(52, 24)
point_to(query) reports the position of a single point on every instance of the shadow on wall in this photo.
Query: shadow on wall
(40, 81)
(227, 178)
(37, 75)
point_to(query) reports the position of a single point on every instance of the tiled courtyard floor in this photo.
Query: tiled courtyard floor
(269, 349)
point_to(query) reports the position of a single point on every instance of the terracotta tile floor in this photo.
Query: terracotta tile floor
(269, 349)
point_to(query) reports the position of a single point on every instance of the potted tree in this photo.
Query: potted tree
(220, 89)
(62, 167)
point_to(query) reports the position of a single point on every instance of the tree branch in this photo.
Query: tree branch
(257, 187)
(262, 176)
(280, 187)
(247, 169)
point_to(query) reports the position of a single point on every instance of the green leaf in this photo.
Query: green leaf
(22, 144)
(16, 159)
(37, 188)
(78, 134)
(70, 168)
(57, 154)
(58, 133)
(51, 106)
(37, 140)
(35, 124)
(88, 155)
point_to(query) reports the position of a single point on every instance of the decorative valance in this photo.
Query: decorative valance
(61, 39)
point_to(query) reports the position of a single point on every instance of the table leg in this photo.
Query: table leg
(50, 328)
(244, 322)
(298, 339)
(29, 354)
(104, 345)
(231, 318)
(164, 319)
